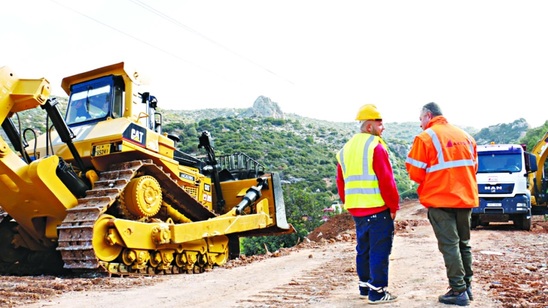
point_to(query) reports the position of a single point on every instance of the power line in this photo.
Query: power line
(179, 24)
(133, 37)
(176, 22)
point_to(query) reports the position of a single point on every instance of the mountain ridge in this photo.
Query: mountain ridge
(264, 107)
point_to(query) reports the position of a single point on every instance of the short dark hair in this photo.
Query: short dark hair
(433, 108)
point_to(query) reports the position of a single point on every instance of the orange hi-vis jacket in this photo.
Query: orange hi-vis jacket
(443, 161)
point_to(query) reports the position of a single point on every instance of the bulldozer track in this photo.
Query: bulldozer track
(76, 230)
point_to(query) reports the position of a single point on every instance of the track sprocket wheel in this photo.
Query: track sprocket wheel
(143, 196)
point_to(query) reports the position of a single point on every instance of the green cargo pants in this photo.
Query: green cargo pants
(452, 229)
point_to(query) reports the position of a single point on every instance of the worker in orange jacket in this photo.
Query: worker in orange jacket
(443, 161)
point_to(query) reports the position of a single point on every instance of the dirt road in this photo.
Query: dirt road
(510, 271)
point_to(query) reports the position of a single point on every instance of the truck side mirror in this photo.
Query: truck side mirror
(531, 162)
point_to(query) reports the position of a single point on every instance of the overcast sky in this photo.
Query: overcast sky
(484, 62)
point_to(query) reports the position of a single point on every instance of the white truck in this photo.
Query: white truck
(503, 186)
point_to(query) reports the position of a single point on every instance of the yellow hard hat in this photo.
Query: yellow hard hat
(368, 112)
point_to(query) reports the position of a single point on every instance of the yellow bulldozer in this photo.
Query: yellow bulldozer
(538, 179)
(104, 190)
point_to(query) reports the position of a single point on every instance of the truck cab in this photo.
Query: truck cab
(503, 185)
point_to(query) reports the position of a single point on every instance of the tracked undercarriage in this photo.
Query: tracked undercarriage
(88, 242)
(137, 221)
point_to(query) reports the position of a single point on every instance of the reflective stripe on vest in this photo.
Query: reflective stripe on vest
(442, 164)
(361, 187)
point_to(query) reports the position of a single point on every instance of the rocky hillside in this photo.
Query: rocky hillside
(264, 107)
(503, 133)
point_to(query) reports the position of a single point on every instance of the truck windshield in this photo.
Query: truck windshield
(499, 162)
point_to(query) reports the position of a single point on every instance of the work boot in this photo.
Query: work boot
(455, 298)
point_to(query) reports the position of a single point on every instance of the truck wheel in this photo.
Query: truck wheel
(522, 222)
(525, 222)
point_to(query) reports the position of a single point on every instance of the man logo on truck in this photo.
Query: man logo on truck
(493, 188)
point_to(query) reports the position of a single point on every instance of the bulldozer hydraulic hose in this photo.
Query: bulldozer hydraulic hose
(63, 130)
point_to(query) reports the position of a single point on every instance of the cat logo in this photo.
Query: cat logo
(135, 134)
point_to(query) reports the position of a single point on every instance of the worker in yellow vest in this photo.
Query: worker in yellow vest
(367, 188)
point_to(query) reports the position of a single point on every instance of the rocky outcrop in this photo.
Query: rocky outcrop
(503, 133)
(264, 107)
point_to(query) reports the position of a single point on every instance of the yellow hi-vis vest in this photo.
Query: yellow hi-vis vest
(361, 186)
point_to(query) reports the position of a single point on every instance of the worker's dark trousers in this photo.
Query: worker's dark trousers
(452, 229)
(374, 235)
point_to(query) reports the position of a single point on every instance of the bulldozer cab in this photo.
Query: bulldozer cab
(95, 100)
(109, 92)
